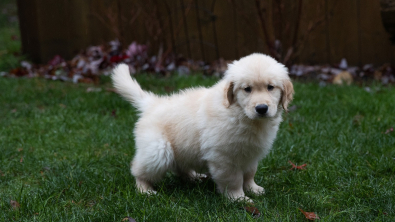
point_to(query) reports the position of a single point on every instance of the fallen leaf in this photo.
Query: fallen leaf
(1, 173)
(19, 72)
(253, 211)
(111, 90)
(357, 120)
(85, 80)
(343, 77)
(93, 89)
(20, 149)
(56, 60)
(343, 64)
(114, 113)
(129, 219)
(21, 160)
(72, 201)
(389, 130)
(91, 203)
(62, 105)
(310, 215)
(15, 205)
(301, 167)
(13, 111)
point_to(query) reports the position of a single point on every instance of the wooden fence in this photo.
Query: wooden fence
(307, 31)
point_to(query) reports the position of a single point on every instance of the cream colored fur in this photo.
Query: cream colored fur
(212, 130)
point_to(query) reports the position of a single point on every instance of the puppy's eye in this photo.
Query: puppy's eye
(270, 87)
(248, 89)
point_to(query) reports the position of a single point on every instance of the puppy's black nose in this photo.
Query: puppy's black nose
(261, 109)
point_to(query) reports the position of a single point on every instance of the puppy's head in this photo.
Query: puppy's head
(259, 85)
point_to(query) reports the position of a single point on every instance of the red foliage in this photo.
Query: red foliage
(310, 215)
(301, 167)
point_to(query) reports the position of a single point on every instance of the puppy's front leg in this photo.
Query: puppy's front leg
(229, 181)
(249, 183)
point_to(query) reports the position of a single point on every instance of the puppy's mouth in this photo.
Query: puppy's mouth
(262, 115)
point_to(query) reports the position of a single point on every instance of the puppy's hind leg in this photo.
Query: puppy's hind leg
(151, 163)
(191, 175)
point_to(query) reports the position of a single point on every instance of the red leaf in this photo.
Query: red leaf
(310, 215)
(19, 72)
(118, 58)
(301, 167)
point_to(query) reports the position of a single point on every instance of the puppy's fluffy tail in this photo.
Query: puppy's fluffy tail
(129, 89)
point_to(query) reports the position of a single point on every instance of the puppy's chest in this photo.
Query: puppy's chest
(247, 142)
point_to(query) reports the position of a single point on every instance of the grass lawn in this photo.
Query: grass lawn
(65, 156)
(10, 43)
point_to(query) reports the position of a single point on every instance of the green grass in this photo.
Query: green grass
(75, 157)
(10, 44)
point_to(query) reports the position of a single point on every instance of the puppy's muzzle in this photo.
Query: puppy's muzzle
(261, 109)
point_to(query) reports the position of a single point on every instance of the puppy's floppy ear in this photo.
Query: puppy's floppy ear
(228, 94)
(287, 94)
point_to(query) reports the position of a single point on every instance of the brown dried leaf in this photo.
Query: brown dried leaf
(15, 205)
(21, 160)
(129, 219)
(301, 167)
(111, 90)
(19, 72)
(252, 210)
(310, 215)
(20, 149)
(1, 173)
(357, 120)
(343, 78)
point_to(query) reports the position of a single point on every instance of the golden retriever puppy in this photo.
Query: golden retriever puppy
(224, 130)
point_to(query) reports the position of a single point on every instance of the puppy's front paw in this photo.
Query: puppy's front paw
(258, 190)
(255, 189)
(245, 199)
